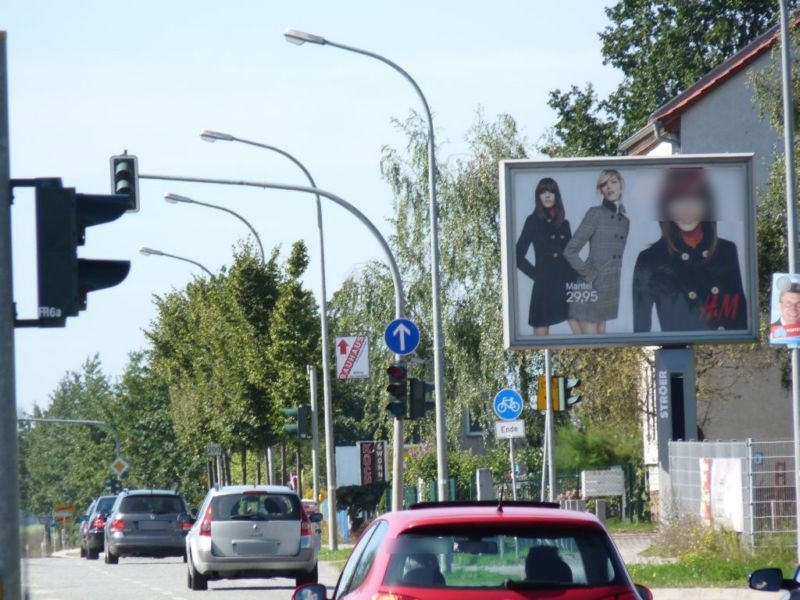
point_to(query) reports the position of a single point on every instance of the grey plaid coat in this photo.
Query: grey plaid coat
(605, 229)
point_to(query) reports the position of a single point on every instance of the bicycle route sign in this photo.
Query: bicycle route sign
(507, 404)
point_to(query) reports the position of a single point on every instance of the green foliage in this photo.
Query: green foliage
(661, 47)
(706, 557)
(233, 351)
(595, 447)
(360, 498)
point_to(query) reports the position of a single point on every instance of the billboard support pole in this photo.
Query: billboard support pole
(548, 424)
(791, 234)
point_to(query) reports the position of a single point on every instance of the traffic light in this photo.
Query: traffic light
(419, 394)
(125, 178)
(301, 423)
(568, 391)
(563, 393)
(62, 216)
(398, 389)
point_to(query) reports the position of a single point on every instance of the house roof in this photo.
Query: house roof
(667, 118)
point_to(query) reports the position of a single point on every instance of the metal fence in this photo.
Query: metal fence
(768, 506)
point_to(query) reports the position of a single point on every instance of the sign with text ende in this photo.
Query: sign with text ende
(509, 429)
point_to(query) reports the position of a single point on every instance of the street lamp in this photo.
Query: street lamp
(212, 136)
(153, 252)
(176, 199)
(299, 38)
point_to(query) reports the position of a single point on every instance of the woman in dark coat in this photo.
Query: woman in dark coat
(548, 231)
(690, 275)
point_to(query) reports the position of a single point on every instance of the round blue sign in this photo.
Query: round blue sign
(508, 404)
(401, 336)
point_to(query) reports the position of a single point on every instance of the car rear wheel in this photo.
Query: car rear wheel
(196, 581)
(305, 578)
(83, 552)
(111, 558)
(92, 554)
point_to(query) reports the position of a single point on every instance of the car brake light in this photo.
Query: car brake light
(305, 525)
(99, 523)
(118, 524)
(186, 525)
(205, 525)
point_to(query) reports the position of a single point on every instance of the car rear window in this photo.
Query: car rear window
(533, 557)
(154, 503)
(104, 505)
(256, 506)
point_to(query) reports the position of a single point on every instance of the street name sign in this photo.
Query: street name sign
(352, 357)
(402, 336)
(505, 430)
(507, 404)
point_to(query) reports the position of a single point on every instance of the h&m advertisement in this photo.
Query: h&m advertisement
(632, 250)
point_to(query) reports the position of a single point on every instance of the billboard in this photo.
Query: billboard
(784, 315)
(628, 250)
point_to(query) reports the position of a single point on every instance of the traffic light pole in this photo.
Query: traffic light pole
(548, 423)
(399, 307)
(10, 585)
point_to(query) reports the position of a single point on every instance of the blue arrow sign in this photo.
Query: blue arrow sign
(507, 404)
(402, 336)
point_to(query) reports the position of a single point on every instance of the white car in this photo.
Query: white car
(252, 531)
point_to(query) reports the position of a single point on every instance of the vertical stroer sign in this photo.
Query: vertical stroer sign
(352, 357)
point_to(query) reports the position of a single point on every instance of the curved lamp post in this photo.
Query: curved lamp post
(153, 252)
(178, 199)
(212, 136)
(295, 36)
(399, 298)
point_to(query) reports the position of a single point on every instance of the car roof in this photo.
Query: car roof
(485, 514)
(149, 492)
(241, 489)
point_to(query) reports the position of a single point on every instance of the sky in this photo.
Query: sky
(89, 79)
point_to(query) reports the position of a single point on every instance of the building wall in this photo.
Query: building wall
(727, 120)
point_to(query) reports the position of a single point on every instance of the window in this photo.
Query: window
(519, 557)
(258, 506)
(357, 568)
(472, 425)
(159, 505)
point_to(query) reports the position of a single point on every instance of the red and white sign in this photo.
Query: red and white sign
(352, 357)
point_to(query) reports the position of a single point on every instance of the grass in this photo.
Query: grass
(618, 526)
(336, 558)
(707, 558)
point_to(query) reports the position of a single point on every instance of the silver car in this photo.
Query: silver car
(146, 523)
(252, 532)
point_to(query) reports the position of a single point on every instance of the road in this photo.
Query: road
(68, 577)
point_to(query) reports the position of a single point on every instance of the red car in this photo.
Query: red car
(483, 550)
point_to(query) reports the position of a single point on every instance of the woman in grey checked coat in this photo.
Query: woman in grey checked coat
(605, 228)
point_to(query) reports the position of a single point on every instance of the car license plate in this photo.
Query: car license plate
(153, 525)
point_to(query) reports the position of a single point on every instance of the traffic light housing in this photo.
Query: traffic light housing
(398, 390)
(568, 391)
(300, 425)
(419, 398)
(563, 394)
(64, 280)
(125, 178)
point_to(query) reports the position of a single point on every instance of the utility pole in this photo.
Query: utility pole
(312, 378)
(10, 585)
(791, 236)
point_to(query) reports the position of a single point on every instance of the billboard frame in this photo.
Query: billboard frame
(510, 277)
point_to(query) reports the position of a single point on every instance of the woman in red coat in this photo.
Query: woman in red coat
(690, 275)
(548, 232)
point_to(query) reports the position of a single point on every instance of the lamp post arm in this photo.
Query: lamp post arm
(188, 260)
(400, 70)
(242, 219)
(395, 271)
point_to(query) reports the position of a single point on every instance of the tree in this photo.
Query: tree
(661, 47)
